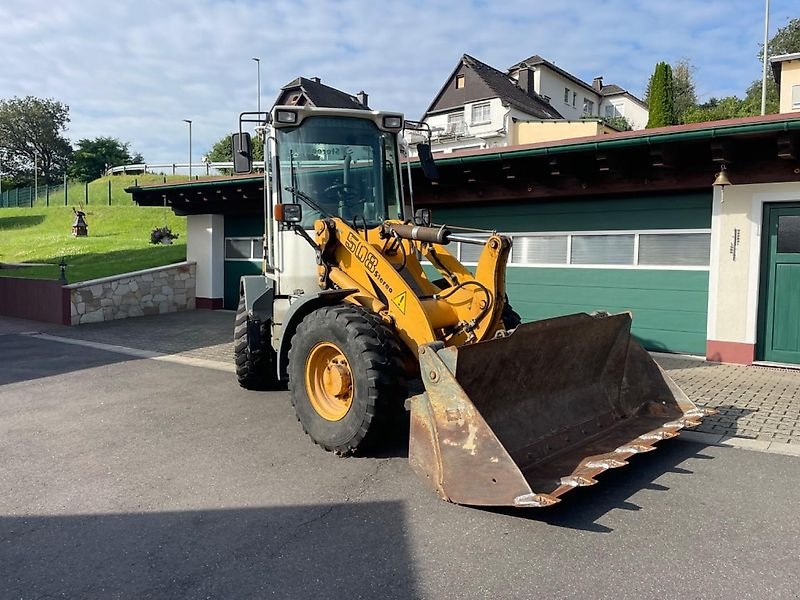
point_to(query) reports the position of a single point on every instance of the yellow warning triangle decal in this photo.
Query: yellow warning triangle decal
(400, 302)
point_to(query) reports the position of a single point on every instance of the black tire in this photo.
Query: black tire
(374, 357)
(254, 370)
(510, 317)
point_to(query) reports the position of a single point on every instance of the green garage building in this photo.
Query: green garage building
(620, 222)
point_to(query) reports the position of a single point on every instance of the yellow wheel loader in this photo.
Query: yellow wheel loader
(360, 296)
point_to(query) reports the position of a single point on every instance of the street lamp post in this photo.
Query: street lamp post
(190, 147)
(258, 77)
(35, 176)
(764, 62)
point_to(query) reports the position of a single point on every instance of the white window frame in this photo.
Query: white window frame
(481, 106)
(569, 265)
(796, 96)
(566, 96)
(251, 239)
(590, 104)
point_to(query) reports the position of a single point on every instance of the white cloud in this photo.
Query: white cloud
(134, 70)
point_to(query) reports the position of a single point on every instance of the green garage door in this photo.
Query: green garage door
(243, 253)
(647, 255)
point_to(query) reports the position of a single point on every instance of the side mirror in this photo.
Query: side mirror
(423, 217)
(426, 160)
(242, 147)
(288, 213)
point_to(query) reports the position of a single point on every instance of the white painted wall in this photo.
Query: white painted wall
(476, 134)
(636, 114)
(205, 245)
(552, 84)
(733, 293)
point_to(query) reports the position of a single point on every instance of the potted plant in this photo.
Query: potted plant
(162, 235)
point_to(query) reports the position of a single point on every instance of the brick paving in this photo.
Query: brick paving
(757, 403)
(754, 402)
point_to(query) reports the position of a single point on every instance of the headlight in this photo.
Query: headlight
(286, 116)
(392, 122)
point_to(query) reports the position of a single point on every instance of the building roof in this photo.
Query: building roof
(535, 60)
(610, 89)
(707, 130)
(651, 160)
(317, 93)
(505, 88)
(777, 61)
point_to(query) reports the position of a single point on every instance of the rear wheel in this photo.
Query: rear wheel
(345, 378)
(255, 367)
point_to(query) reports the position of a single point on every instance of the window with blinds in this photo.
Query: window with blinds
(602, 249)
(665, 249)
(679, 249)
(540, 249)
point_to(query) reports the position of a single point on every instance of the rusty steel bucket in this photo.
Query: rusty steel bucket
(523, 419)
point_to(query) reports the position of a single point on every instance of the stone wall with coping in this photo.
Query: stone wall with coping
(149, 292)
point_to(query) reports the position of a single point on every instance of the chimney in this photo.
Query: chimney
(316, 80)
(525, 80)
(363, 97)
(597, 83)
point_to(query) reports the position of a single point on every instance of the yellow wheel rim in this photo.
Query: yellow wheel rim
(329, 381)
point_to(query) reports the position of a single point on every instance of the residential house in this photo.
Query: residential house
(786, 69)
(482, 107)
(576, 99)
(312, 92)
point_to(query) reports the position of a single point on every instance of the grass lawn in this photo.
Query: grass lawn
(118, 241)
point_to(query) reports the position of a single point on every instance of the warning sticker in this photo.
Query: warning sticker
(400, 302)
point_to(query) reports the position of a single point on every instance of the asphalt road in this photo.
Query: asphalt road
(126, 478)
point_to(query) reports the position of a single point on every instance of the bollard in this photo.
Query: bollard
(109, 192)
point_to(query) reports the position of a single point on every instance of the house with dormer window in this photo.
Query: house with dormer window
(533, 101)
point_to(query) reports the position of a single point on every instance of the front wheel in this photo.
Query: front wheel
(255, 367)
(345, 377)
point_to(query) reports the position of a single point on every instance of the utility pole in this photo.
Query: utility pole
(190, 147)
(35, 175)
(764, 62)
(258, 77)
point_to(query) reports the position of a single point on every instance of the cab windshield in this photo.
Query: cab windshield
(346, 165)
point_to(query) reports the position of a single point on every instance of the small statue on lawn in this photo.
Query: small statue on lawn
(79, 227)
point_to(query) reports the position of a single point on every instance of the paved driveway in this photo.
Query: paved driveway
(136, 478)
(756, 403)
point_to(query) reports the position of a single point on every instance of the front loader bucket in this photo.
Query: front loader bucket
(523, 419)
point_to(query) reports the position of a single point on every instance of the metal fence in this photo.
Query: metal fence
(94, 193)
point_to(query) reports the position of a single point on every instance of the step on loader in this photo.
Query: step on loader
(360, 295)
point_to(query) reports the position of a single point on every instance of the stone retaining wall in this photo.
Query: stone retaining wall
(149, 292)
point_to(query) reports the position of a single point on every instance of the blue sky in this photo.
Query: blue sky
(135, 70)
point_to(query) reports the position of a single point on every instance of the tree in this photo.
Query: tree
(31, 132)
(619, 123)
(222, 151)
(91, 158)
(785, 41)
(717, 109)
(662, 97)
(685, 94)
